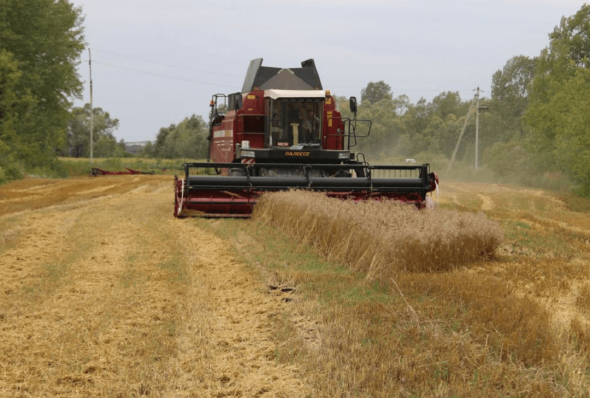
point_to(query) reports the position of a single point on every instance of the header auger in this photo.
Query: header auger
(282, 132)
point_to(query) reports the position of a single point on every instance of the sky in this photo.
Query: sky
(156, 62)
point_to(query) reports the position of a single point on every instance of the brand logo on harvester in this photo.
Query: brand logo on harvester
(290, 153)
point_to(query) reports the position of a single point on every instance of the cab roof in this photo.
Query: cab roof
(267, 78)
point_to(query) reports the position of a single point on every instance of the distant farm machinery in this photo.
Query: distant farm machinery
(95, 172)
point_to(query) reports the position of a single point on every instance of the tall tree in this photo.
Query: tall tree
(572, 34)
(558, 105)
(186, 140)
(375, 92)
(9, 78)
(447, 103)
(40, 41)
(510, 96)
(78, 138)
(417, 117)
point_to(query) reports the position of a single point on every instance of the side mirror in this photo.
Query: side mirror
(353, 104)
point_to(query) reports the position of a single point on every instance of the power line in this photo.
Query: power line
(163, 64)
(227, 75)
(223, 85)
(397, 90)
(160, 75)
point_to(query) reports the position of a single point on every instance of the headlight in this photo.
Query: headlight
(342, 155)
(248, 154)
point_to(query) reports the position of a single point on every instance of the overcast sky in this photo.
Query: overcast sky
(155, 62)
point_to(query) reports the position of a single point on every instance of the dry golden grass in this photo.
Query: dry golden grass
(104, 294)
(37, 193)
(583, 299)
(524, 329)
(381, 238)
(434, 337)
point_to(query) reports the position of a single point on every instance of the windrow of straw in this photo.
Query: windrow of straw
(381, 238)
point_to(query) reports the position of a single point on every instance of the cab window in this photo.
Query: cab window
(295, 122)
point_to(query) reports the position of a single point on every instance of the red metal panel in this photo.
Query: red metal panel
(332, 122)
(253, 103)
(251, 118)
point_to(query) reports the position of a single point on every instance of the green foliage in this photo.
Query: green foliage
(568, 114)
(448, 103)
(375, 92)
(558, 112)
(188, 139)
(40, 43)
(572, 34)
(78, 138)
(9, 77)
(509, 161)
(401, 128)
(510, 95)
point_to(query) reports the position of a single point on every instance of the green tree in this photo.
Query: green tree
(448, 103)
(507, 160)
(40, 44)
(9, 108)
(510, 97)
(158, 149)
(567, 113)
(148, 151)
(188, 139)
(572, 34)
(417, 117)
(78, 137)
(558, 100)
(401, 104)
(375, 92)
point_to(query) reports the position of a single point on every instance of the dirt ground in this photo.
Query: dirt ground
(104, 293)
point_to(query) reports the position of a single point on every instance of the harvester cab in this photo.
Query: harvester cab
(283, 131)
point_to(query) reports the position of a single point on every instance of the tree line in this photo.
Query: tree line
(40, 45)
(535, 120)
(187, 140)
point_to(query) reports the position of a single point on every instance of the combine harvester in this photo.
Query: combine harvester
(282, 131)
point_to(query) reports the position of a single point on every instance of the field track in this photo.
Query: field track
(104, 293)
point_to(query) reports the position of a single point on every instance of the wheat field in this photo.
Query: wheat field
(509, 318)
(104, 293)
(381, 238)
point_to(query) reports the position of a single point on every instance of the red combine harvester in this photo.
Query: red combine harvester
(283, 131)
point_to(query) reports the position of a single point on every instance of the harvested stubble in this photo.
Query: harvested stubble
(381, 238)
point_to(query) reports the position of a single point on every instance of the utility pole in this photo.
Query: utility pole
(476, 127)
(460, 136)
(91, 108)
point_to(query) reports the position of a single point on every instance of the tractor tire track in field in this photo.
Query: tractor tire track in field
(111, 296)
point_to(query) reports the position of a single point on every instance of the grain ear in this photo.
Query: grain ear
(381, 238)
